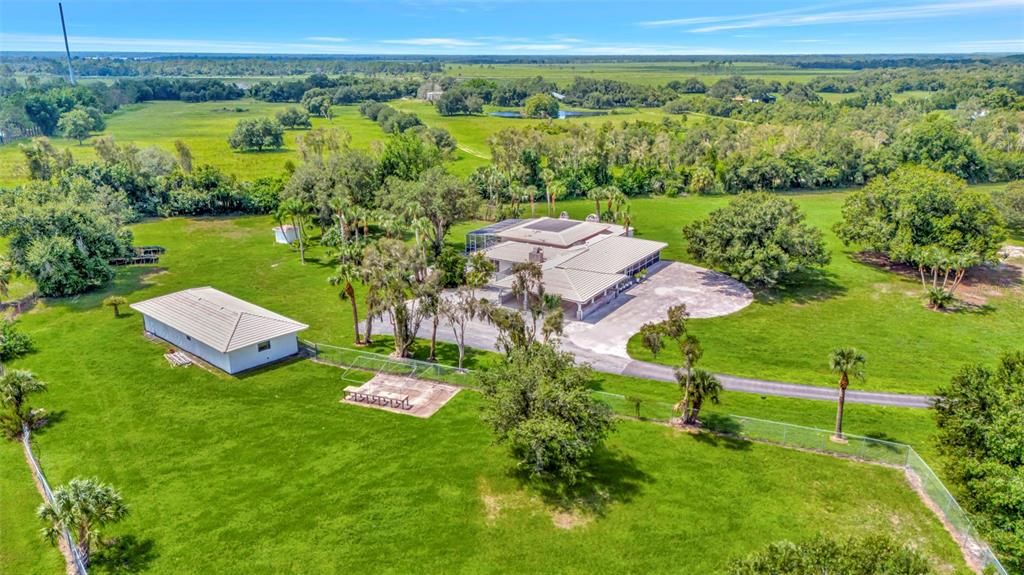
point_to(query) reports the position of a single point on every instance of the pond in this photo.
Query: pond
(562, 114)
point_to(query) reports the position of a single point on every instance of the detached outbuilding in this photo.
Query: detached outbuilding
(231, 334)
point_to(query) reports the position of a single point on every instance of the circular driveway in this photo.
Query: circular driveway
(706, 293)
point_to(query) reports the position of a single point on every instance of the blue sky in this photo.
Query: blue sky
(517, 27)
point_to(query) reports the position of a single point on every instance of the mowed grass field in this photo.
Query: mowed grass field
(269, 473)
(787, 334)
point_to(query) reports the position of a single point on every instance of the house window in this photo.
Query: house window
(263, 346)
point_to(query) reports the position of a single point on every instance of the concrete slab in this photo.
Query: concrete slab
(425, 397)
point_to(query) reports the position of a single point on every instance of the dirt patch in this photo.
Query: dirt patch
(497, 504)
(979, 284)
(968, 547)
(570, 519)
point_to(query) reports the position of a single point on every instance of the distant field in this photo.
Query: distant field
(639, 72)
(205, 127)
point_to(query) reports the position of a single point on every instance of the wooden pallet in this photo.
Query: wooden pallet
(178, 359)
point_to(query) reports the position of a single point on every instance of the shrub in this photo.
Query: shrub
(1010, 203)
(872, 555)
(13, 343)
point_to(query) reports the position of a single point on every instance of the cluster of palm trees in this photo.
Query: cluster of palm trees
(696, 385)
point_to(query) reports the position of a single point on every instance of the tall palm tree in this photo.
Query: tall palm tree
(848, 363)
(596, 194)
(702, 386)
(296, 210)
(345, 275)
(82, 506)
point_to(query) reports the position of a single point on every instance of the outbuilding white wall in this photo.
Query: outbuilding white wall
(191, 345)
(232, 362)
(250, 357)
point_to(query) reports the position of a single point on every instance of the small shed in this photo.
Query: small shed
(285, 234)
(229, 333)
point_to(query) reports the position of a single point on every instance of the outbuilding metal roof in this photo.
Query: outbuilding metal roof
(217, 319)
(612, 254)
(577, 286)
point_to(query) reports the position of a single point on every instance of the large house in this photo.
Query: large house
(586, 263)
(226, 332)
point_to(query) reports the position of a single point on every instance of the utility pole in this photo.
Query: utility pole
(67, 50)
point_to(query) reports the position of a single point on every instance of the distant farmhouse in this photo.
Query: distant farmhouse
(226, 332)
(585, 263)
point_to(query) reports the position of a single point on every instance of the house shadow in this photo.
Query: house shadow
(610, 477)
(124, 554)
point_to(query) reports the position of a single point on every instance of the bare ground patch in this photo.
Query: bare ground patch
(979, 285)
(497, 504)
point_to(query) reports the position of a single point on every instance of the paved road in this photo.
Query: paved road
(482, 337)
(647, 370)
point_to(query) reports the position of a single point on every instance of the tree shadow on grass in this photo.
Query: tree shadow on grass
(721, 431)
(52, 418)
(127, 280)
(610, 477)
(124, 554)
(801, 288)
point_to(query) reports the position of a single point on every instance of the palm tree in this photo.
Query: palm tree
(82, 507)
(16, 386)
(701, 386)
(596, 194)
(847, 362)
(345, 275)
(296, 210)
(115, 301)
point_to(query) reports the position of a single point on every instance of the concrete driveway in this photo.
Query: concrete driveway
(706, 293)
(600, 339)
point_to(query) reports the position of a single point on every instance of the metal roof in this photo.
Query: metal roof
(577, 286)
(519, 252)
(217, 319)
(496, 227)
(612, 254)
(561, 235)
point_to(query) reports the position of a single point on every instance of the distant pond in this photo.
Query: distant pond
(562, 114)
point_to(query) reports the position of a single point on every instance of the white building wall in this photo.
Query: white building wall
(250, 357)
(184, 342)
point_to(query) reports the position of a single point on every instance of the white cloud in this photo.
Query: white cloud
(729, 18)
(448, 42)
(881, 14)
(326, 39)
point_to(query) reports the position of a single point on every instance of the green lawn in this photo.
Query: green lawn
(269, 473)
(278, 476)
(787, 334)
